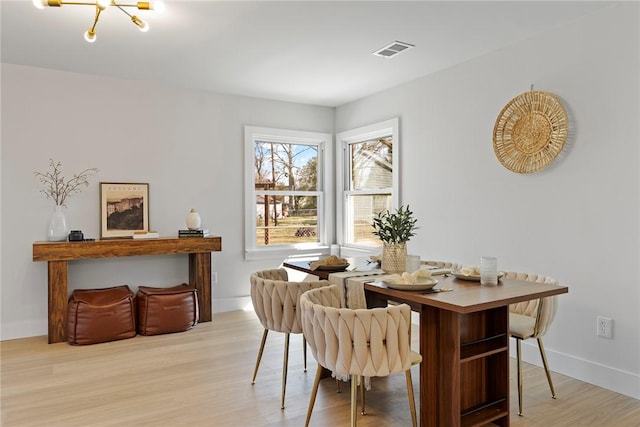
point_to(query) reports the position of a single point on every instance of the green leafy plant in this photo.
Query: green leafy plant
(395, 227)
(57, 187)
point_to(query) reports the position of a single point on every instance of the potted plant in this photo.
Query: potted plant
(395, 229)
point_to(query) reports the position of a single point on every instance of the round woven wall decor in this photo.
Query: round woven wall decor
(530, 132)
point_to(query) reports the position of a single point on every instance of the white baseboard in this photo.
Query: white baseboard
(613, 379)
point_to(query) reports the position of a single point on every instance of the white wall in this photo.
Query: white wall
(187, 145)
(577, 221)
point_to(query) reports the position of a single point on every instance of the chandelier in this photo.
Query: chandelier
(101, 5)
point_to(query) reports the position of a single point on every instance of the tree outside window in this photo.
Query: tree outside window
(286, 181)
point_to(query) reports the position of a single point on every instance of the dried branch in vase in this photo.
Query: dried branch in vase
(57, 188)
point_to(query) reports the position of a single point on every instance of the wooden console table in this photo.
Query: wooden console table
(58, 254)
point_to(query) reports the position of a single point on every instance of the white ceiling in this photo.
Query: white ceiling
(314, 52)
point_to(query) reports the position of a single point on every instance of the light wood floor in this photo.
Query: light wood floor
(203, 378)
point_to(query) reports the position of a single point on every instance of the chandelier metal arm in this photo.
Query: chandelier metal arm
(121, 8)
(90, 35)
(143, 26)
(95, 21)
(142, 5)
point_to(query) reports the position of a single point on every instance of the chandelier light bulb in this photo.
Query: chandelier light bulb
(40, 4)
(157, 6)
(90, 36)
(103, 4)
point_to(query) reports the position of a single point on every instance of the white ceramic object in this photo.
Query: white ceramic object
(193, 220)
(58, 227)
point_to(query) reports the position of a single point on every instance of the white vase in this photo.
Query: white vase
(193, 220)
(58, 227)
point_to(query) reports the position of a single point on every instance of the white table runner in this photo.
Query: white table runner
(351, 285)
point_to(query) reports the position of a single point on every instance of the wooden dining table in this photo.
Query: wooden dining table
(304, 265)
(464, 342)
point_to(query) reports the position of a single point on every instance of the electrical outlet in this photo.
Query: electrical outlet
(605, 327)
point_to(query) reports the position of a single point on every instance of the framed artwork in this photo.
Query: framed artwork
(124, 209)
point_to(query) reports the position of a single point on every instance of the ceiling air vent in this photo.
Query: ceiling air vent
(393, 49)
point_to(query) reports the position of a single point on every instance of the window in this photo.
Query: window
(286, 204)
(367, 158)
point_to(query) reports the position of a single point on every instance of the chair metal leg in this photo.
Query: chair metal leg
(518, 357)
(338, 387)
(304, 352)
(546, 367)
(354, 399)
(314, 392)
(264, 340)
(285, 364)
(362, 396)
(412, 401)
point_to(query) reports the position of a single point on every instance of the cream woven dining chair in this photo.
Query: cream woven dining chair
(275, 301)
(531, 319)
(357, 343)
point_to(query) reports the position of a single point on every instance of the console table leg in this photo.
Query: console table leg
(58, 296)
(200, 278)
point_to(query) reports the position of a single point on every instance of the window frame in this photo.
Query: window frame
(343, 141)
(324, 143)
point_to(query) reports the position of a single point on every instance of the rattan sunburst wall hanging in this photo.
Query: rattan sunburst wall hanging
(530, 132)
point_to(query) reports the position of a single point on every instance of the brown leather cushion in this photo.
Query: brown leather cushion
(100, 315)
(166, 310)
